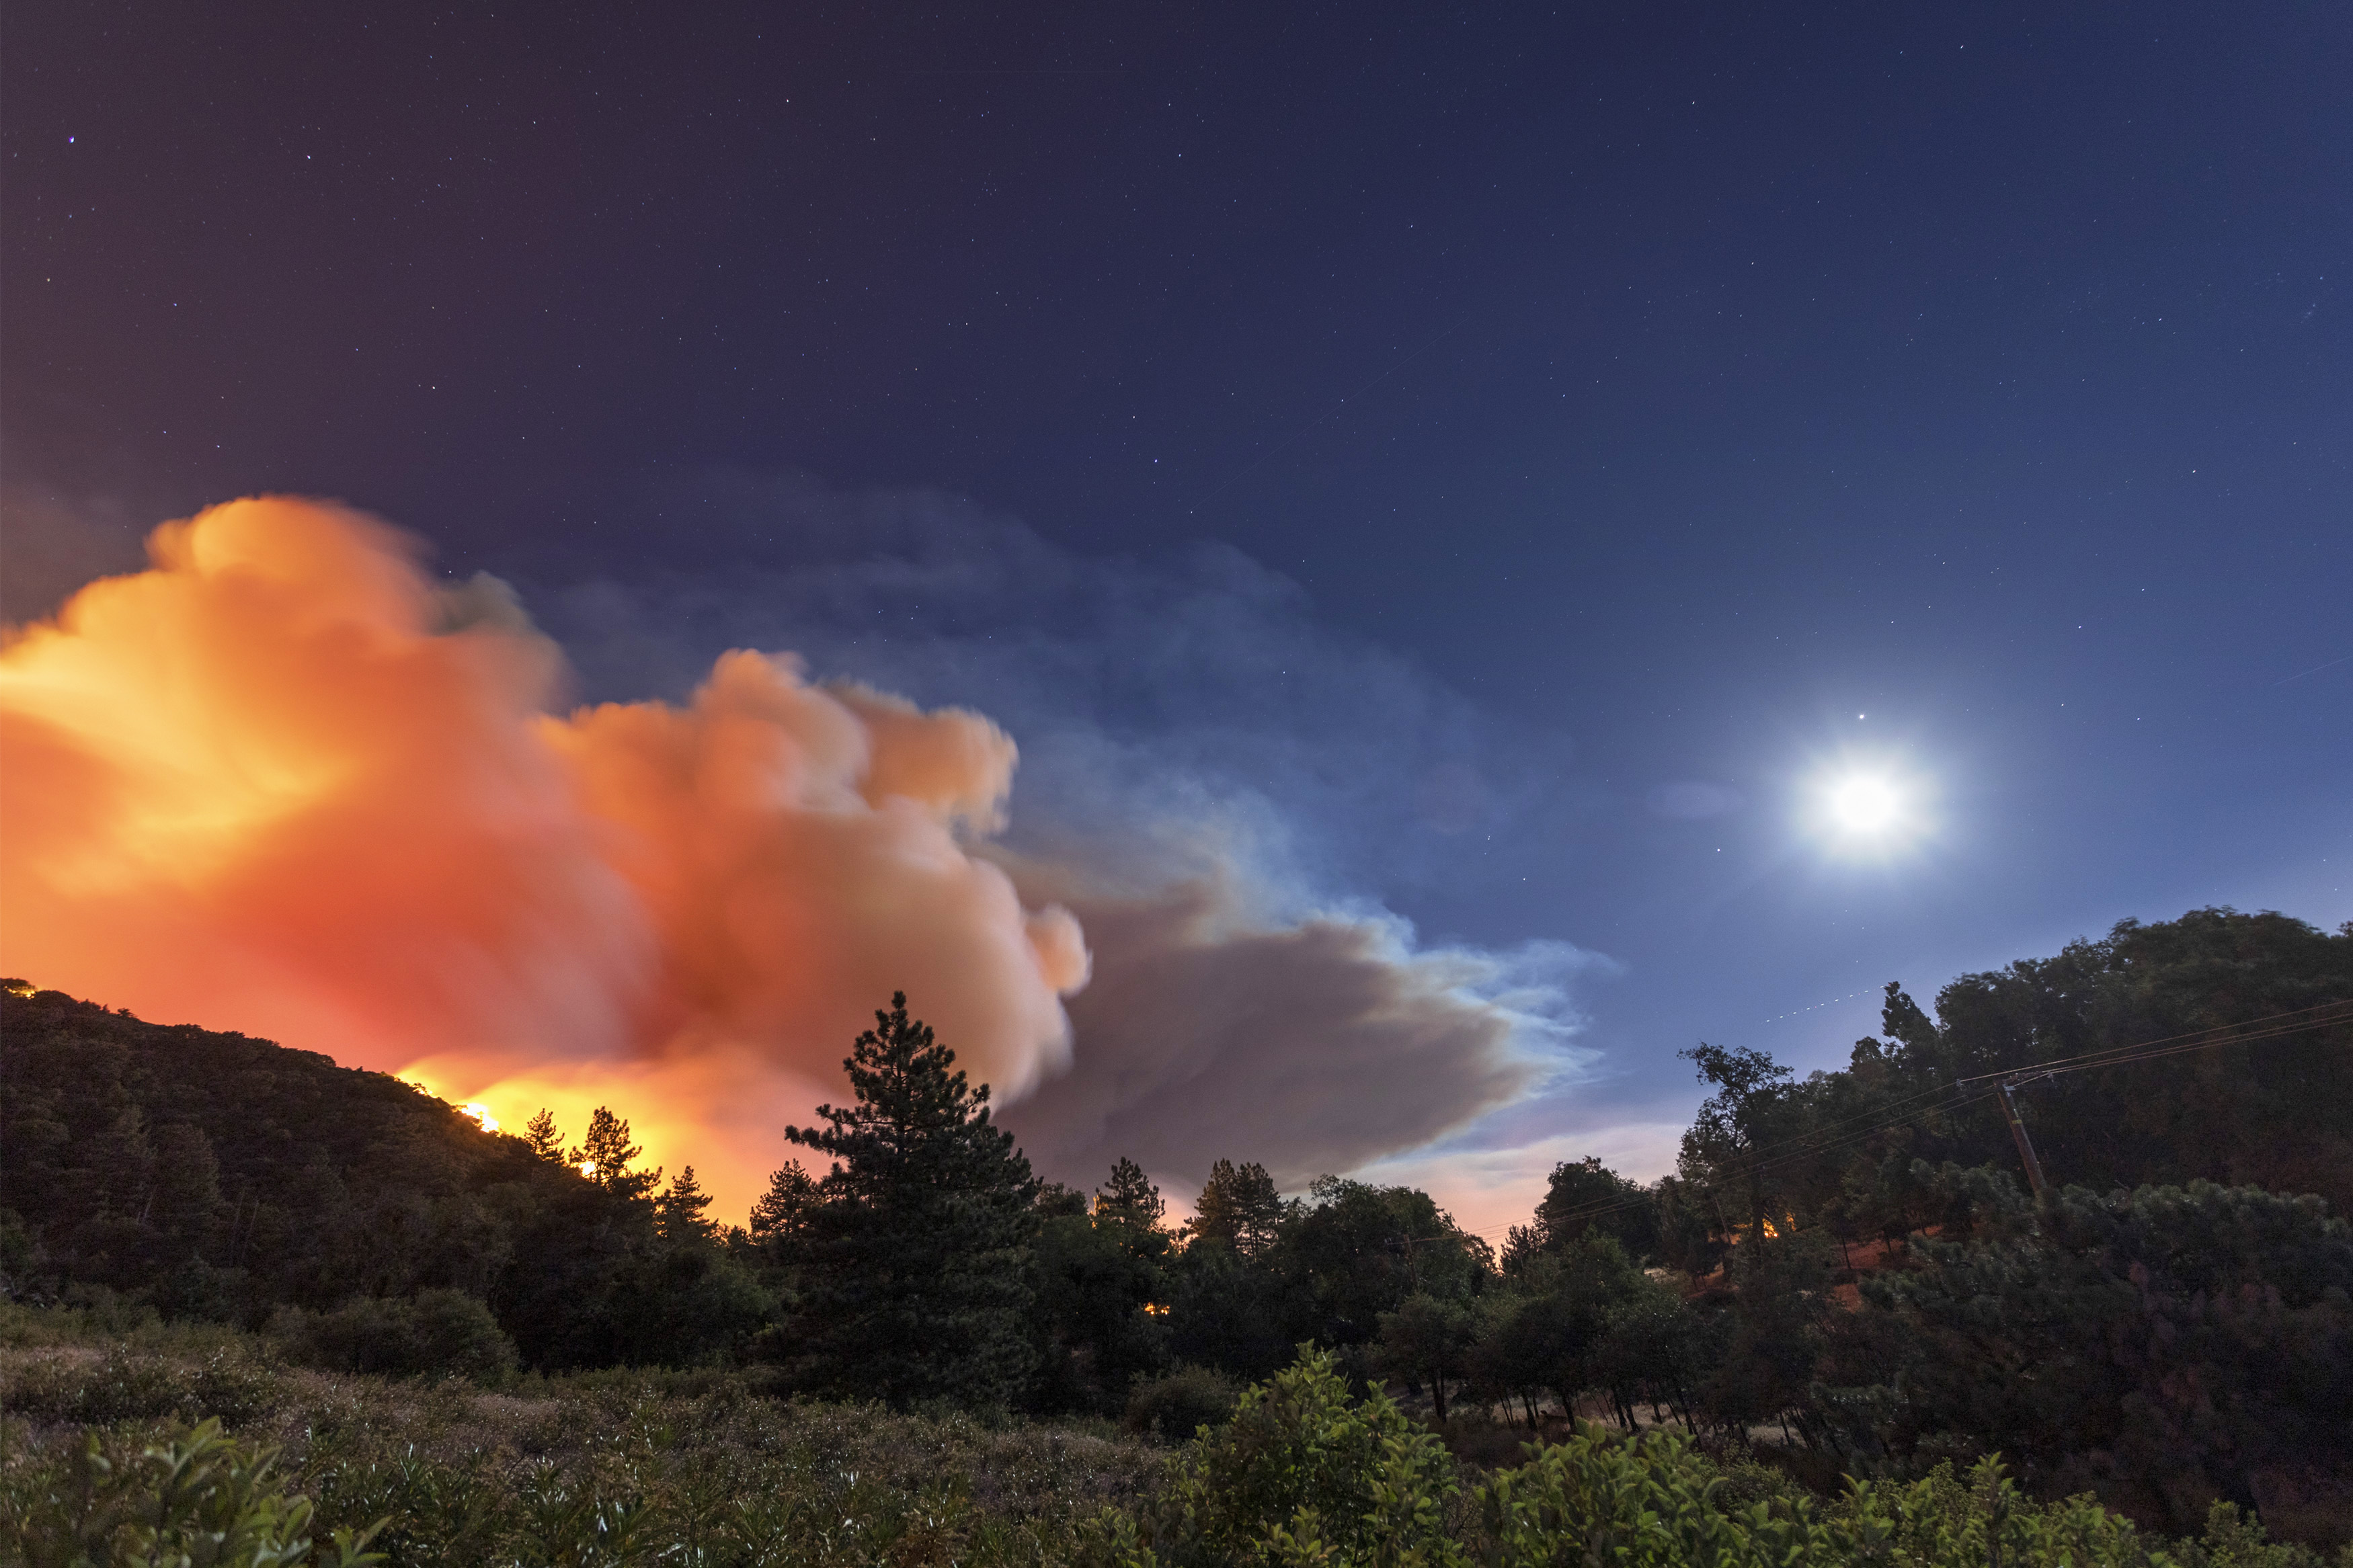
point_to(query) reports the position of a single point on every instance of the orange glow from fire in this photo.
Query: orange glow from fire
(678, 1111)
(283, 783)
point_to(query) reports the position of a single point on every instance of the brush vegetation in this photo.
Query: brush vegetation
(106, 1462)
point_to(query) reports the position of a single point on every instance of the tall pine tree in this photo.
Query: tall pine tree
(1130, 1195)
(678, 1212)
(912, 1268)
(544, 1140)
(1240, 1206)
(778, 1215)
(605, 1155)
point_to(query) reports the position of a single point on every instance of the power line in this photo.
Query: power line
(1953, 1103)
(2031, 1075)
(2196, 1039)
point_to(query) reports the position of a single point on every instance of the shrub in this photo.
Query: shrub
(1301, 1473)
(1178, 1404)
(1305, 1475)
(431, 1331)
(201, 1500)
(693, 1469)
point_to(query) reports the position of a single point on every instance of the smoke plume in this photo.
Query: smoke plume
(283, 782)
(1312, 1047)
(280, 783)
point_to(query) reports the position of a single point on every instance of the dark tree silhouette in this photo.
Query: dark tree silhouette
(544, 1140)
(1240, 1207)
(780, 1213)
(1131, 1195)
(678, 1212)
(604, 1156)
(913, 1267)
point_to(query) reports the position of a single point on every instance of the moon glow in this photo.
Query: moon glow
(1865, 805)
(1871, 808)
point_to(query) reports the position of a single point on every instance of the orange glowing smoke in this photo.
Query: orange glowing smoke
(282, 782)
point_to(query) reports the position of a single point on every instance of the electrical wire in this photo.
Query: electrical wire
(2195, 1039)
(2032, 1075)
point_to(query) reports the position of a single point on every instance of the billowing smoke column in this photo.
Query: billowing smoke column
(282, 782)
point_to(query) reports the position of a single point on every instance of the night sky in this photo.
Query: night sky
(1493, 468)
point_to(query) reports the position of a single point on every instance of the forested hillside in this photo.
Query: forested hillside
(219, 1176)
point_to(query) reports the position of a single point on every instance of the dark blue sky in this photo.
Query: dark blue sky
(1607, 405)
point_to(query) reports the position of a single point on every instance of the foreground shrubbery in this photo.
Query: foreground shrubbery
(1175, 1404)
(1305, 1474)
(599, 1468)
(198, 1500)
(105, 1465)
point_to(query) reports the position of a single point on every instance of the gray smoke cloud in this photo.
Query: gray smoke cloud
(1316, 1046)
(1211, 779)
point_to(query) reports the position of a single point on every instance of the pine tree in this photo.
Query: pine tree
(1240, 1206)
(186, 1206)
(604, 1154)
(1131, 1195)
(677, 1213)
(915, 1264)
(784, 1209)
(544, 1140)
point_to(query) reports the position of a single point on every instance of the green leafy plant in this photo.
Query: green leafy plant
(1302, 1473)
(197, 1500)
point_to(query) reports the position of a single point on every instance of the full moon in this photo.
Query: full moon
(1863, 805)
(1868, 808)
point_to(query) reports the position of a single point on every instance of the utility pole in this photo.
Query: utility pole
(2025, 1144)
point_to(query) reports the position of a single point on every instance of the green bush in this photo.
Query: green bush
(201, 1500)
(1306, 1475)
(433, 1331)
(1179, 1403)
(1301, 1473)
(2224, 1317)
